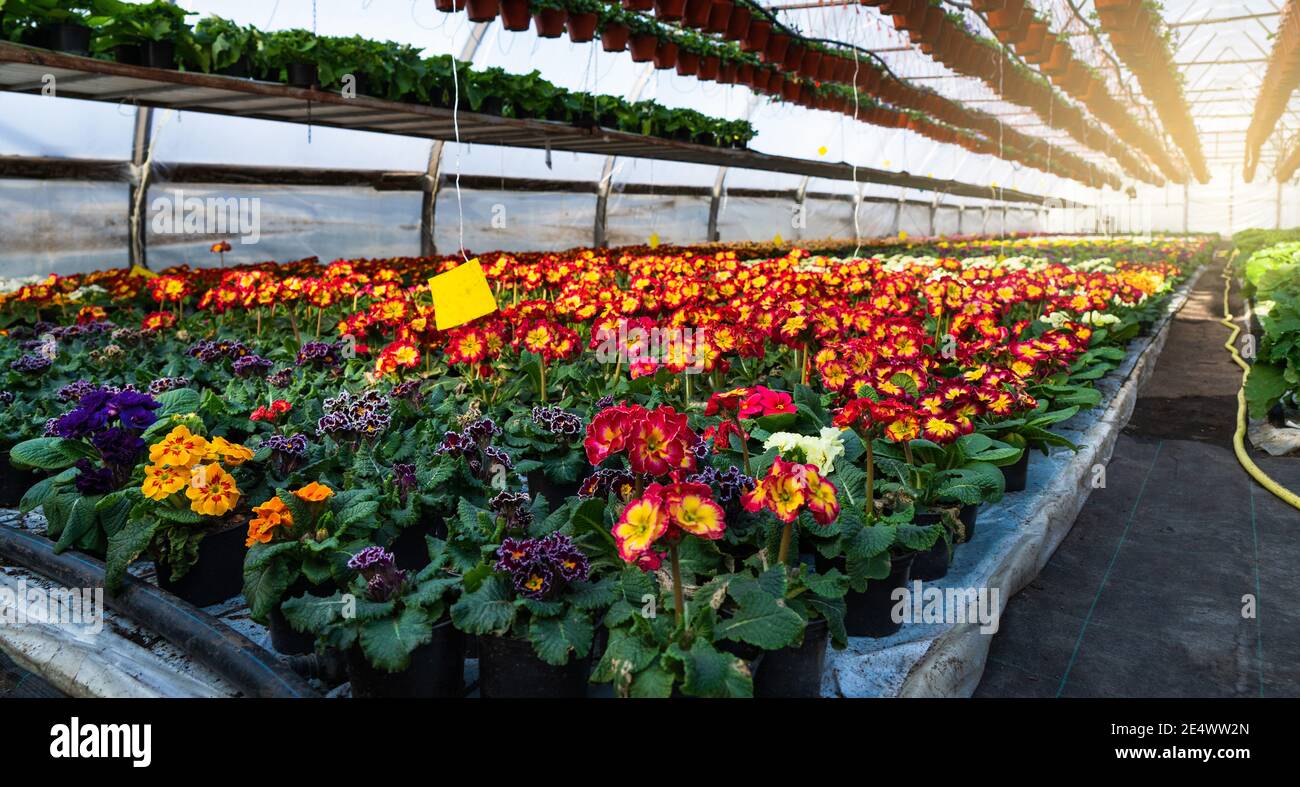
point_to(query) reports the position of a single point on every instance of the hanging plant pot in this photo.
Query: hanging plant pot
(219, 572)
(728, 72)
(447, 6)
(762, 76)
(745, 74)
(639, 5)
(62, 37)
(790, 90)
(581, 27)
(777, 46)
(738, 23)
(666, 55)
(515, 15)
(241, 68)
(643, 47)
(437, 670)
(1034, 40)
(719, 16)
(670, 10)
(709, 65)
(482, 10)
(509, 668)
(696, 13)
(810, 62)
(614, 37)
(550, 22)
(1059, 60)
(758, 35)
(688, 62)
(793, 57)
(1044, 52)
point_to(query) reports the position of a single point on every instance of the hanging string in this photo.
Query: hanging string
(455, 125)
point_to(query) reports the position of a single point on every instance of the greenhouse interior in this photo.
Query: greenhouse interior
(649, 349)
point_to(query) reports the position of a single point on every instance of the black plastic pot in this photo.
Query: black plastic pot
(159, 54)
(932, 563)
(284, 638)
(302, 74)
(437, 670)
(240, 68)
(71, 38)
(410, 549)
(128, 54)
(555, 493)
(219, 573)
(795, 672)
(867, 614)
(14, 483)
(508, 668)
(1017, 475)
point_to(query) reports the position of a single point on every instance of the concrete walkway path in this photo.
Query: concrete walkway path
(1181, 578)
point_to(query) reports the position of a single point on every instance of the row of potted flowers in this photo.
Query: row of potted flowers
(1142, 40)
(948, 39)
(674, 473)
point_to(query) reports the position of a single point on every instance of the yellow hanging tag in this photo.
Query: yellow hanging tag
(654, 240)
(821, 151)
(902, 235)
(460, 295)
(777, 239)
(143, 273)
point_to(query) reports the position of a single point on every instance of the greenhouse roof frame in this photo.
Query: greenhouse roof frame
(23, 68)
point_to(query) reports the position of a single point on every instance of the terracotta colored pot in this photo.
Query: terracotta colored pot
(790, 90)
(793, 57)
(666, 55)
(745, 74)
(719, 16)
(727, 73)
(810, 62)
(688, 63)
(696, 14)
(777, 46)
(670, 10)
(643, 47)
(738, 23)
(1034, 41)
(581, 27)
(482, 10)
(515, 14)
(550, 22)
(1044, 52)
(709, 66)
(638, 5)
(757, 36)
(1059, 61)
(447, 6)
(614, 37)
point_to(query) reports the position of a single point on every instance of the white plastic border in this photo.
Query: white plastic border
(1013, 541)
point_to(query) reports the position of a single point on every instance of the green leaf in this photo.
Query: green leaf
(708, 672)
(125, 546)
(593, 595)
(388, 642)
(555, 639)
(487, 610)
(654, 682)
(312, 614)
(762, 619)
(49, 453)
(181, 401)
(267, 575)
(81, 520)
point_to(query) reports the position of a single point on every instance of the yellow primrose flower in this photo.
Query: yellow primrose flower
(212, 491)
(231, 453)
(180, 448)
(162, 481)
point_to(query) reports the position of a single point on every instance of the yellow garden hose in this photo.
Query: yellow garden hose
(1238, 437)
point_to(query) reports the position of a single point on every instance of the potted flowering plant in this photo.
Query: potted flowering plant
(392, 624)
(186, 515)
(91, 452)
(298, 543)
(550, 441)
(149, 34)
(534, 613)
